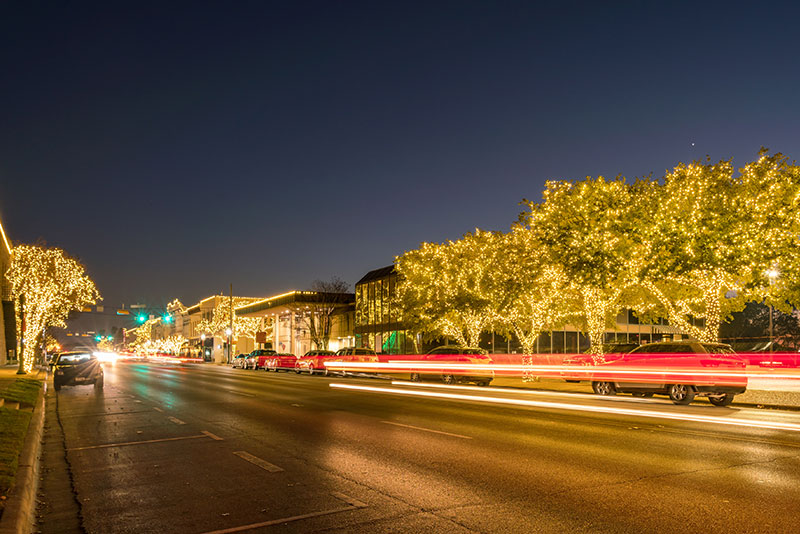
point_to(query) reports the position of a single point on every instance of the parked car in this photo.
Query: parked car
(238, 361)
(281, 362)
(313, 361)
(256, 359)
(453, 354)
(681, 370)
(77, 369)
(359, 355)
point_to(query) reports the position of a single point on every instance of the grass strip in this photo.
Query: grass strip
(23, 390)
(13, 427)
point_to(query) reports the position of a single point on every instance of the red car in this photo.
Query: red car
(313, 361)
(358, 355)
(281, 362)
(459, 356)
(680, 369)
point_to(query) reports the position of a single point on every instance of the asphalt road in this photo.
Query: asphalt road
(211, 449)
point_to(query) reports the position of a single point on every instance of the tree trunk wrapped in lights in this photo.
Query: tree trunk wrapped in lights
(53, 285)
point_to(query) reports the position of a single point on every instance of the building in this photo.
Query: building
(8, 320)
(290, 312)
(378, 325)
(377, 322)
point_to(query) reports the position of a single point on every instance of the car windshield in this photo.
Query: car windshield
(72, 359)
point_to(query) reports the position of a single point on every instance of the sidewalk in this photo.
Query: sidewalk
(788, 398)
(19, 508)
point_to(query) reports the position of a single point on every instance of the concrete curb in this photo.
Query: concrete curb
(20, 512)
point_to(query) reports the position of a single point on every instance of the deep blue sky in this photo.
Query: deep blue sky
(177, 148)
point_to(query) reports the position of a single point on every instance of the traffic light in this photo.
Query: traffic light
(141, 318)
(168, 318)
(98, 337)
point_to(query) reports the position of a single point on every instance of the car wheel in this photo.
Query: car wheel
(98, 383)
(311, 370)
(483, 383)
(721, 400)
(297, 369)
(681, 393)
(449, 379)
(415, 377)
(604, 388)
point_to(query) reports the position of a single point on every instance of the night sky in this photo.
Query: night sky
(176, 148)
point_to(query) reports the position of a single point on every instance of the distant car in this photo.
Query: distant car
(77, 369)
(681, 370)
(239, 361)
(312, 361)
(358, 355)
(453, 354)
(256, 359)
(281, 362)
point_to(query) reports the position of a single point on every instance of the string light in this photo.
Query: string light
(53, 285)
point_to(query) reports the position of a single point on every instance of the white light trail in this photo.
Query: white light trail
(773, 425)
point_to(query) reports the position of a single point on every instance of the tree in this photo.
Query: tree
(528, 288)
(588, 231)
(221, 320)
(449, 289)
(52, 284)
(711, 236)
(317, 311)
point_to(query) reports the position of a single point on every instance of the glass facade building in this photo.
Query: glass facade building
(378, 324)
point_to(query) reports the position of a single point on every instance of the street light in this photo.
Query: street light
(228, 333)
(772, 274)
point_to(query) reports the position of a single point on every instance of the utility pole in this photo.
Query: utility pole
(230, 336)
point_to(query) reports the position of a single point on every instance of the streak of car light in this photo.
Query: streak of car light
(772, 425)
(525, 392)
(546, 369)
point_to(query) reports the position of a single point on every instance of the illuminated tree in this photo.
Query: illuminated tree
(53, 285)
(449, 289)
(316, 313)
(528, 288)
(242, 326)
(589, 233)
(712, 235)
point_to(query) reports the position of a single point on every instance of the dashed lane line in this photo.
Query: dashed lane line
(284, 520)
(427, 430)
(255, 460)
(156, 408)
(176, 420)
(145, 442)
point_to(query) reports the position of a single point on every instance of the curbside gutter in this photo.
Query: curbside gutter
(19, 514)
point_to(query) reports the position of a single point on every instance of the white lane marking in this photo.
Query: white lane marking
(212, 436)
(427, 430)
(239, 393)
(255, 460)
(349, 500)
(685, 417)
(137, 400)
(156, 408)
(283, 520)
(176, 420)
(126, 443)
